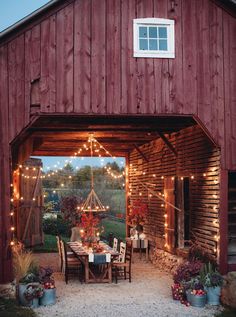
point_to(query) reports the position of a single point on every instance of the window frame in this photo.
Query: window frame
(170, 53)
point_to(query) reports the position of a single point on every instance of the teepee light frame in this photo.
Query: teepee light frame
(92, 202)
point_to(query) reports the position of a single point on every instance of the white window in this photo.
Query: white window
(154, 37)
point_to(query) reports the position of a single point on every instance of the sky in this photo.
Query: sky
(11, 11)
(60, 161)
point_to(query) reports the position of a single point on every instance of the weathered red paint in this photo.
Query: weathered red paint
(77, 57)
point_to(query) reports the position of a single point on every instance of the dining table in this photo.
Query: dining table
(97, 260)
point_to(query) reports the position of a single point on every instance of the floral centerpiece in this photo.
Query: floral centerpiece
(138, 213)
(90, 227)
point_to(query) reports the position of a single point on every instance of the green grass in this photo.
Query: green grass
(50, 244)
(10, 308)
(227, 312)
(115, 227)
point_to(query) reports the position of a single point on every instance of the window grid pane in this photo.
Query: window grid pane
(153, 38)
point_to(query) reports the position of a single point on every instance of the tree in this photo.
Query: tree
(69, 209)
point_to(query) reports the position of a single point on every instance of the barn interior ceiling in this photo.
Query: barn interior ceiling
(62, 135)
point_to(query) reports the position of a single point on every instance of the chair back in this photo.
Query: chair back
(128, 252)
(75, 234)
(122, 252)
(58, 245)
(115, 244)
(59, 251)
(64, 255)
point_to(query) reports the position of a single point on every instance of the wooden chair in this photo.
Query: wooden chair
(71, 265)
(69, 253)
(59, 251)
(115, 244)
(122, 267)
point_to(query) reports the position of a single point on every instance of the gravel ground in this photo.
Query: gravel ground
(148, 295)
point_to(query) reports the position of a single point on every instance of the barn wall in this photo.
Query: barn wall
(79, 60)
(197, 157)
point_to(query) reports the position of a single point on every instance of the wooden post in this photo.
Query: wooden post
(223, 222)
(127, 192)
(6, 274)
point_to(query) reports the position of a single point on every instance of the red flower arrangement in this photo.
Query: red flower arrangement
(138, 213)
(89, 223)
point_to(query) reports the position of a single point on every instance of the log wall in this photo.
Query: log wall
(197, 159)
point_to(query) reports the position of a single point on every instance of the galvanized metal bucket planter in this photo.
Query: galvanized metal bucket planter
(49, 297)
(213, 295)
(34, 303)
(197, 300)
(22, 300)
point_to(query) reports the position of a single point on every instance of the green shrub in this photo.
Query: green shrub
(57, 226)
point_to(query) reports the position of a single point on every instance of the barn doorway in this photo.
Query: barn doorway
(156, 149)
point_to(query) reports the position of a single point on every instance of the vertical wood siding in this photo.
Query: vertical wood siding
(196, 157)
(83, 57)
(5, 235)
(80, 60)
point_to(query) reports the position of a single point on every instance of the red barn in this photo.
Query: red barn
(155, 81)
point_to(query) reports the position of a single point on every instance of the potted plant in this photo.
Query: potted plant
(47, 280)
(196, 293)
(138, 214)
(182, 277)
(25, 269)
(213, 282)
(32, 294)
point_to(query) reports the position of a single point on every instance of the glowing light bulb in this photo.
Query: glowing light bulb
(12, 228)
(12, 214)
(204, 174)
(192, 177)
(162, 177)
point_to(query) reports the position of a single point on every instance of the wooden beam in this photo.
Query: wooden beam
(141, 153)
(167, 142)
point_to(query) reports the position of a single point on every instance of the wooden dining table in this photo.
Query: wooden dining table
(95, 272)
